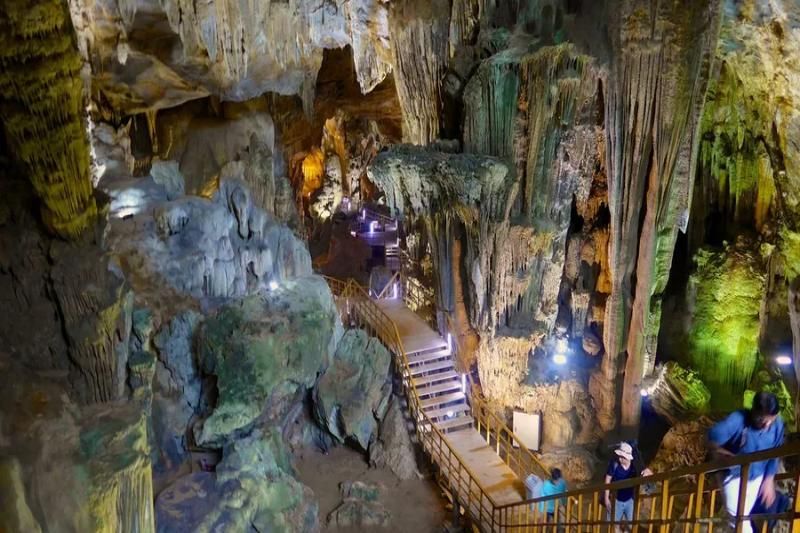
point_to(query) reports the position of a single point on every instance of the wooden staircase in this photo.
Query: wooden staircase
(481, 462)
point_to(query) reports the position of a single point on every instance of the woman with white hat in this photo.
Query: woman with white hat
(622, 468)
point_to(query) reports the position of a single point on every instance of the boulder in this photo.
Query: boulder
(360, 507)
(684, 445)
(262, 350)
(393, 449)
(252, 489)
(349, 395)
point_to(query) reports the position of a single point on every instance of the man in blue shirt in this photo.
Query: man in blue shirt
(748, 431)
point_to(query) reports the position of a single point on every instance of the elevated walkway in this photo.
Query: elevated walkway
(481, 463)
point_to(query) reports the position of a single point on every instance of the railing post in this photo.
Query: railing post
(796, 506)
(664, 528)
(743, 478)
(698, 502)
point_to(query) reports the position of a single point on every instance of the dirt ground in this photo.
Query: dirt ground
(416, 506)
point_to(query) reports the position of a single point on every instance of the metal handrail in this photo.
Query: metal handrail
(584, 507)
(431, 437)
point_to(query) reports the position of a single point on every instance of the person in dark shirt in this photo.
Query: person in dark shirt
(621, 468)
(748, 431)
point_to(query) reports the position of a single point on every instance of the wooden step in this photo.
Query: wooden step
(424, 381)
(432, 348)
(431, 367)
(453, 424)
(441, 400)
(443, 412)
(447, 386)
(430, 356)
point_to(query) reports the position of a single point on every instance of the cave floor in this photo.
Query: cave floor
(415, 505)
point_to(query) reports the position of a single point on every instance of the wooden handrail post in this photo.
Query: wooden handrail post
(796, 506)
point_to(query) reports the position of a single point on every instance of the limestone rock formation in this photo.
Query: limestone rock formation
(252, 488)
(684, 445)
(224, 247)
(349, 395)
(360, 507)
(263, 349)
(726, 291)
(70, 304)
(394, 449)
(68, 467)
(43, 108)
(679, 394)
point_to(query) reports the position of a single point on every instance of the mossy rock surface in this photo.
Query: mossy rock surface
(262, 349)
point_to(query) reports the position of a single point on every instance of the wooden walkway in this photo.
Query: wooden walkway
(440, 390)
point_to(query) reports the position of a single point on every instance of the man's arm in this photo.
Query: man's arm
(607, 497)
(722, 432)
(767, 489)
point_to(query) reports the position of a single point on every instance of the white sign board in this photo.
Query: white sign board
(528, 427)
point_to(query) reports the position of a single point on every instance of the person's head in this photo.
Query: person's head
(764, 411)
(624, 454)
(555, 474)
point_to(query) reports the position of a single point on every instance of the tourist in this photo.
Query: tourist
(551, 487)
(748, 431)
(621, 468)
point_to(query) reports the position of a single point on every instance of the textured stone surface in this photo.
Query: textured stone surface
(678, 393)
(349, 393)
(684, 445)
(252, 489)
(360, 507)
(80, 468)
(262, 350)
(224, 247)
(394, 449)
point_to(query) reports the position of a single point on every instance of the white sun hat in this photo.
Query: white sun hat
(624, 450)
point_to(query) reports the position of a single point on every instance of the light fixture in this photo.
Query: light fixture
(464, 383)
(560, 359)
(783, 360)
(644, 392)
(353, 233)
(372, 226)
(449, 343)
(395, 291)
(364, 214)
(273, 285)
(449, 414)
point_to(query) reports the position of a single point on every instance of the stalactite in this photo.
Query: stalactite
(43, 110)
(419, 36)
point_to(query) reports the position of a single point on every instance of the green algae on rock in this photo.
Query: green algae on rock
(262, 349)
(727, 288)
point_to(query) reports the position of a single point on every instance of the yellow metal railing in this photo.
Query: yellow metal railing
(687, 500)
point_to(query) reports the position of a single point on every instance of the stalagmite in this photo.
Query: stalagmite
(651, 120)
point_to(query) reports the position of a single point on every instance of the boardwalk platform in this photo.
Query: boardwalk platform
(499, 481)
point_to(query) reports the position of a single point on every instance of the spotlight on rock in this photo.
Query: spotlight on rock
(560, 359)
(783, 360)
(273, 285)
